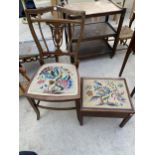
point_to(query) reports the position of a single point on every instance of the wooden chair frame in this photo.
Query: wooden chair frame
(124, 40)
(56, 26)
(130, 49)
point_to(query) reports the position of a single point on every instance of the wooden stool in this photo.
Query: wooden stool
(106, 97)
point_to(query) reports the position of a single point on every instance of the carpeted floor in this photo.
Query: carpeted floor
(59, 132)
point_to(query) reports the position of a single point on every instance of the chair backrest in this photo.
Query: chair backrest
(58, 30)
(132, 18)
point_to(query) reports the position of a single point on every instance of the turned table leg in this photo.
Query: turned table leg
(116, 40)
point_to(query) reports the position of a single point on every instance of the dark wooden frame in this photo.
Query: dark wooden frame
(34, 100)
(104, 37)
(126, 114)
(124, 40)
(39, 12)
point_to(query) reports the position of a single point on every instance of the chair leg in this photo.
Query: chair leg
(121, 41)
(41, 61)
(116, 41)
(79, 116)
(125, 120)
(34, 106)
(124, 43)
(56, 58)
(124, 63)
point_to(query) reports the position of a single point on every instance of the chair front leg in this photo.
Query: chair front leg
(34, 106)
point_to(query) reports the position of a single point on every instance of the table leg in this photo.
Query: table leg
(34, 106)
(116, 41)
(106, 18)
(129, 50)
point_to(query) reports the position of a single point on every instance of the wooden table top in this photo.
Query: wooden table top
(92, 8)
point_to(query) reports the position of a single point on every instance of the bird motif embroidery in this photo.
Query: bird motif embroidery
(107, 93)
(55, 80)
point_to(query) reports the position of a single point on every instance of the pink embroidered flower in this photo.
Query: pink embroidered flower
(40, 81)
(63, 83)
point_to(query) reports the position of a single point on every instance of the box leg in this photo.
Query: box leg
(125, 120)
(81, 120)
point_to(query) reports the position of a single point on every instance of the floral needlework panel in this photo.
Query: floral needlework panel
(105, 93)
(55, 79)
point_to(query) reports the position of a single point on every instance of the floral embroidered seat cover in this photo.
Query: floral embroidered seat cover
(105, 93)
(55, 79)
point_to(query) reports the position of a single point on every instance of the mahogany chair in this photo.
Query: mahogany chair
(56, 81)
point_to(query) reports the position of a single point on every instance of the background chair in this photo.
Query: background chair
(55, 81)
(130, 49)
(126, 31)
(43, 19)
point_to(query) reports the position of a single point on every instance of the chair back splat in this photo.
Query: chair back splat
(48, 29)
